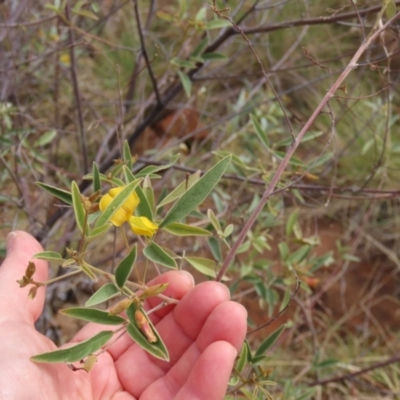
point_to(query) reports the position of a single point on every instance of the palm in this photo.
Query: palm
(202, 333)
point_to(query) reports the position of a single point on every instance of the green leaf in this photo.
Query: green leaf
(307, 137)
(148, 191)
(127, 155)
(86, 13)
(143, 209)
(242, 359)
(205, 266)
(93, 315)
(327, 363)
(228, 230)
(49, 256)
(299, 255)
(259, 131)
(180, 189)
(157, 349)
(106, 292)
(61, 194)
(194, 196)
(283, 250)
(77, 352)
(78, 206)
(117, 202)
(199, 49)
(186, 83)
(45, 138)
(215, 248)
(217, 24)
(269, 341)
(291, 222)
(157, 254)
(151, 169)
(87, 270)
(97, 232)
(125, 267)
(390, 9)
(214, 57)
(214, 221)
(96, 178)
(178, 229)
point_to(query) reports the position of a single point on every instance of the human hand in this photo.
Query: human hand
(202, 333)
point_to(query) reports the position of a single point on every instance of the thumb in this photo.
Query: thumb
(14, 301)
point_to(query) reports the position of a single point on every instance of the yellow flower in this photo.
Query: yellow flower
(125, 211)
(142, 226)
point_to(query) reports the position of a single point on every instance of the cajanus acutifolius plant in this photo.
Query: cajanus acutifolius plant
(125, 201)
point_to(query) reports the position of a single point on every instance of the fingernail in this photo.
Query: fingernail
(10, 241)
(188, 276)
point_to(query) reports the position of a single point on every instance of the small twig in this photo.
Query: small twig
(28, 23)
(82, 133)
(353, 3)
(145, 55)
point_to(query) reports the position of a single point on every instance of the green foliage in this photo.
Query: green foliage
(77, 352)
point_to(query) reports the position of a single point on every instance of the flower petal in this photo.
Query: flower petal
(125, 211)
(142, 226)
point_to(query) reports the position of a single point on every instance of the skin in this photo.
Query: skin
(203, 334)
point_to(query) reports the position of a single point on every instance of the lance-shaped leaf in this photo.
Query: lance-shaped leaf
(156, 349)
(158, 255)
(127, 155)
(259, 131)
(205, 266)
(242, 359)
(106, 292)
(49, 256)
(194, 196)
(143, 209)
(77, 352)
(180, 189)
(269, 341)
(125, 267)
(61, 194)
(97, 232)
(93, 315)
(96, 178)
(151, 169)
(78, 206)
(117, 202)
(178, 229)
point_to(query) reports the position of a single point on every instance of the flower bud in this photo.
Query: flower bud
(121, 306)
(144, 326)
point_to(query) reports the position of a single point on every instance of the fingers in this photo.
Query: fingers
(205, 314)
(210, 375)
(179, 283)
(14, 301)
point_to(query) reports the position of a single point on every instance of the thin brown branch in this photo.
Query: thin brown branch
(144, 52)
